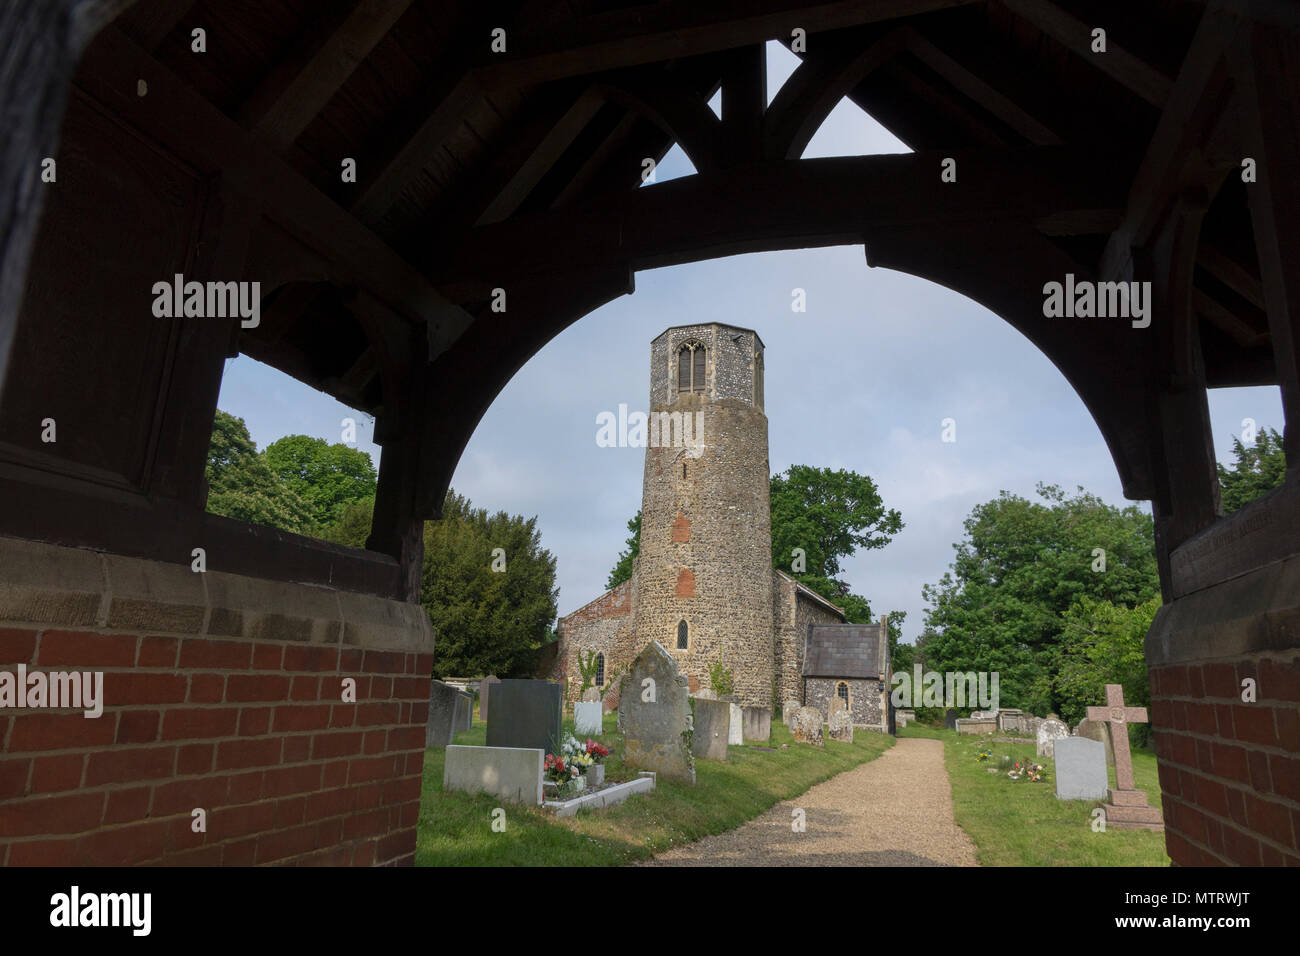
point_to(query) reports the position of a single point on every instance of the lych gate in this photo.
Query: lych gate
(497, 198)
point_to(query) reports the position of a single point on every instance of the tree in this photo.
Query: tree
(623, 568)
(1023, 564)
(491, 609)
(901, 656)
(241, 485)
(1103, 643)
(327, 477)
(1256, 470)
(352, 526)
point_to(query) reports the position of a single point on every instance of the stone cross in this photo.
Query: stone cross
(1119, 716)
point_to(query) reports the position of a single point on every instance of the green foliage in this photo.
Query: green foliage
(720, 679)
(1020, 568)
(1103, 643)
(352, 526)
(487, 621)
(1256, 470)
(241, 485)
(901, 655)
(327, 477)
(587, 669)
(623, 568)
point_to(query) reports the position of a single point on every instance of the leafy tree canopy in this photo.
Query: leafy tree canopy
(622, 570)
(327, 477)
(241, 485)
(1255, 470)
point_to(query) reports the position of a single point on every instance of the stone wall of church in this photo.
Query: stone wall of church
(866, 700)
(794, 612)
(603, 626)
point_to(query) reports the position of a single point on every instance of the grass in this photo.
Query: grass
(1016, 823)
(455, 829)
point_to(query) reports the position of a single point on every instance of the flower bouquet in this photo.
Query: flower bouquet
(597, 752)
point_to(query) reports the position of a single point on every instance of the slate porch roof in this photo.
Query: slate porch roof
(843, 650)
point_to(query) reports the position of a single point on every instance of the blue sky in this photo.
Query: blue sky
(862, 380)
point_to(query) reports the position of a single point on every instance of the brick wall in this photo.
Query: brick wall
(253, 730)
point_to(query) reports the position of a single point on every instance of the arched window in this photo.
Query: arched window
(681, 635)
(690, 368)
(842, 690)
(758, 379)
(600, 670)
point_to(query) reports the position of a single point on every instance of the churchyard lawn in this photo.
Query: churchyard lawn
(1018, 823)
(455, 829)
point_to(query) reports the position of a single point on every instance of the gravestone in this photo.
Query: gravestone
(841, 725)
(1049, 732)
(441, 725)
(836, 705)
(736, 725)
(654, 712)
(788, 710)
(757, 723)
(484, 691)
(1080, 769)
(510, 773)
(587, 717)
(950, 719)
(807, 726)
(525, 713)
(1128, 808)
(590, 694)
(975, 725)
(712, 723)
(705, 693)
(1097, 730)
(1011, 721)
(464, 718)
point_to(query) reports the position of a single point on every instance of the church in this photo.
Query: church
(703, 584)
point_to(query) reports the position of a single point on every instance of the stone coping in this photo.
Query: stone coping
(605, 797)
(49, 585)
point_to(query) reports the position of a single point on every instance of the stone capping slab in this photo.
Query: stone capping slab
(44, 584)
(610, 796)
(1257, 612)
(1262, 532)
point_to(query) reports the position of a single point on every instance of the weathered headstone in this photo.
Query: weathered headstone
(950, 719)
(705, 693)
(975, 725)
(654, 712)
(484, 692)
(757, 723)
(736, 725)
(441, 725)
(464, 718)
(1049, 732)
(712, 720)
(807, 726)
(905, 717)
(1011, 721)
(841, 725)
(788, 710)
(1080, 769)
(590, 694)
(1097, 730)
(525, 713)
(510, 773)
(587, 717)
(836, 705)
(1128, 808)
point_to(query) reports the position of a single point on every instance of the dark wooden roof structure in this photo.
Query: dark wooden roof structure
(519, 170)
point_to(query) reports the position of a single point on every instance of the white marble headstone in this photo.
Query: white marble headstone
(736, 726)
(587, 717)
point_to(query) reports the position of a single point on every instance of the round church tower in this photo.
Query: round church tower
(704, 569)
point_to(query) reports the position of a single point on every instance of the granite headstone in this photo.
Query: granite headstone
(525, 713)
(1080, 769)
(712, 723)
(441, 725)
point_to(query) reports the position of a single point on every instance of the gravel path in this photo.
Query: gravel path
(895, 810)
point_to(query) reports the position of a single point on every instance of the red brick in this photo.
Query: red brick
(16, 647)
(1240, 848)
(330, 831)
(350, 660)
(1288, 726)
(119, 765)
(230, 822)
(68, 813)
(1270, 856)
(296, 748)
(336, 745)
(1254, 724)
(381, 688)
(254, 752)
(396, 846)
(86, 650)
(59, 772)
(158, 652)
(207, 688)
(336, 774)
(1279, 680)
(370, 768)
(194, 758)
(13, 777)
(364, 854)
(284, 781)
(127, 806)
(282, 844)
(1259, 777)
(369, 796)
(1162, 713)
(241, 853)
(305, 688)
(245, 787)
(414, 763)
(205, 654)
(1182, 749)
(1176, 684)
(384, 662)
(310, 658)
(329, 803)
(144, 688)
(1269, 819)
(48, 731)
(289, 813)
(403, 790)
(137, 727)
(268, 657)
(374, 742)
(369, 824)
(1237, 805)
(1220, 680)
(121, 846)
(1284, 773)
(419, 713)
(411, 688)
(255, 721)
(199, 723)
(369, 715)
(289, 719)
(1223, 716)
(59, 852)
(182, 796)
(1179, 709)
(1201, 719)
(410, 815)
(1229, 761)
(406, 738)
(198, 856)
(1195, 683)
(343, 715)
(1210, 796)
(423, 665)
(253, 687)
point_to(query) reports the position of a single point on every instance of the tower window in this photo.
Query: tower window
(758, 379)
(683, 469)
(690, 368)
(681, 635)
(842, 690)
(600, 670)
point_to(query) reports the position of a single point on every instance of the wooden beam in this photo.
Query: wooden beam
(1235, 276)
(1192, 109)
(149, 21)
(298, 89)
(744, 104)
(1076, 36)
(1227, 321)
(672, 107)
(681, 28)
(970, 85)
